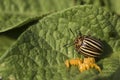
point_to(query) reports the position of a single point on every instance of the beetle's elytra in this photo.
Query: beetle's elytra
(88, 46)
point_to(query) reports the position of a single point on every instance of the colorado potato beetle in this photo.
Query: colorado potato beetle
(88, 46)
(91, 48)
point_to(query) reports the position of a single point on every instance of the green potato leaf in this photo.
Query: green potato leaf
(38, 54)
(16, 16)
(9, 37)
(111, 5)
(114, 6)
(5, 43)
(15, 13)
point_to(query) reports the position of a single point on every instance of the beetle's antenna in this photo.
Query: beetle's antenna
(79, 33)
(72, 32)
(68, 45)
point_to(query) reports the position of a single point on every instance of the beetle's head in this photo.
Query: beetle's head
(78, 41)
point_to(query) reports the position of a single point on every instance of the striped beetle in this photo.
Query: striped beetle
(88, 46)
(91, 48)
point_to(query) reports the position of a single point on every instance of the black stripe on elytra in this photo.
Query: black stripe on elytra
(97, 42)
(91, 51)
(93, 43)
(88, 53)
(92, 48)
